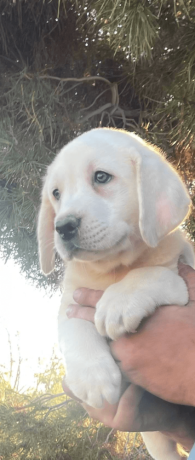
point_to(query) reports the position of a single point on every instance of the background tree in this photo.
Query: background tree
(68, 66)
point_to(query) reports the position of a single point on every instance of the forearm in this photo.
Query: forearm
(184, 433)
(171, 417)
(175, 421)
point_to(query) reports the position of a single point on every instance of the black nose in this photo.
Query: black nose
(68, 227)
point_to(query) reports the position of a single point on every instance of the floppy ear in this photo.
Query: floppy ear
(163, 199)
(45, 233)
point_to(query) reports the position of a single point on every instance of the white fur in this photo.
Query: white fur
(128, 245)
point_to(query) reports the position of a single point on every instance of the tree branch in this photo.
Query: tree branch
(113, 86)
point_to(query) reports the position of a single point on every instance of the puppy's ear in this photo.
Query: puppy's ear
(163, 199)
(45, 234)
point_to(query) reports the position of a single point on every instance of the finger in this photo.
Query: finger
(127, 417)
(76, 311)
(104, 415)
(68, 392)
(88, 297)
(120, 348)
(188, 274)
(123, 416)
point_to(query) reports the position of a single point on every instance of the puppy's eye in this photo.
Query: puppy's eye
(56, 194)
(102, 177)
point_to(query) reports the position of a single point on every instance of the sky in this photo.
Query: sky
(30, 318)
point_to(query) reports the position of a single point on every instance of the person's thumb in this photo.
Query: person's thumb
(188, 274)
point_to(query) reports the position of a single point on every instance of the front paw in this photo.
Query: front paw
(123, 305)
(95, 381)
(120, 312)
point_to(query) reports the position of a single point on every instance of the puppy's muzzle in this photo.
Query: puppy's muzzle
(68, 227)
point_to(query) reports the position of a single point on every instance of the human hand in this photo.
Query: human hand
(137, 409)
(160, 356)
(155, 357)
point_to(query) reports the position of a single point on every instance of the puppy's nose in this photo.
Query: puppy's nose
(68, 227)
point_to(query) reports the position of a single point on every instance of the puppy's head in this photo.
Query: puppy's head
(105, 191)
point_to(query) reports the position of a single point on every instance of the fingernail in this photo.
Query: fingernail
(77, 294)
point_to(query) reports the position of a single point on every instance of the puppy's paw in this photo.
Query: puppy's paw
(119, 312)
(122, 307)
(95, 381)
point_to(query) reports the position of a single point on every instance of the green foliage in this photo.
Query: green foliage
(44, 424)
(130, 25)
(159, 39)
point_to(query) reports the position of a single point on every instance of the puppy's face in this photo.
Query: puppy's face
(104, 193)
(92, 189)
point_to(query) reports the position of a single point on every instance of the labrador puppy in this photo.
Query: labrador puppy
(111, 207)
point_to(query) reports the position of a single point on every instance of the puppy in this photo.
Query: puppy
(111, 207)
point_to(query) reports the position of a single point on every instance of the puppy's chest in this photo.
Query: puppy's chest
(82, 276)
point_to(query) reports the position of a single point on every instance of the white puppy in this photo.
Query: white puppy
(111, 206)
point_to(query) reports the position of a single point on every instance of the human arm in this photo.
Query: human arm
(160, 376)
(160, 357)
(138, 410)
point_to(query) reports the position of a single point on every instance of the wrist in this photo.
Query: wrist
(180, 437)
(184, 431)
(159, 415)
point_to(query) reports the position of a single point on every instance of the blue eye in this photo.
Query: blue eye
(102, 177)
(56, 194)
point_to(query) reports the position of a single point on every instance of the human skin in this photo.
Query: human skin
(159, 358)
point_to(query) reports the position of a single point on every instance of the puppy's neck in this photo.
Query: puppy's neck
(103, 273)
(123, 259)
